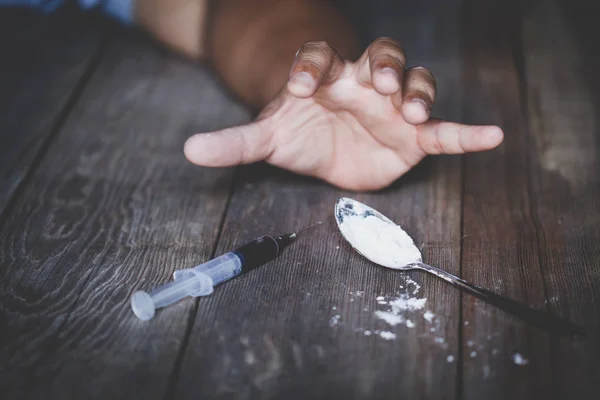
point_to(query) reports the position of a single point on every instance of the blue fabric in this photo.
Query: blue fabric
(122, 10)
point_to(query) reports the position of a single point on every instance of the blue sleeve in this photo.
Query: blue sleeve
(122, 10)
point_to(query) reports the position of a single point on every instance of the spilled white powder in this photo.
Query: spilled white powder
(382, 242)
(387, 335)
(450, 359)
(519, 360)
(486, 371)
(399, 307)
(428, 316)
(334, 320)
(404, 302)
(390, 318)
(411, 282)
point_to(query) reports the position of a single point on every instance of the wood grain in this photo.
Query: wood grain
(561, 70)
(101, 202)
(273, 333)
(113, 207)
(500, 239)
(45, 61)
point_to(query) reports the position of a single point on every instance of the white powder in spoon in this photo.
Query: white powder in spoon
(382, 242)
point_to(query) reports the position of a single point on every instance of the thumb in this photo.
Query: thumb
(242, 144)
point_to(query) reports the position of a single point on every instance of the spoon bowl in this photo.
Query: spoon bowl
(395, 249)
(375, 236)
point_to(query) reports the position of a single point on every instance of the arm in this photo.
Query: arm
(357, 123)
(251, 43)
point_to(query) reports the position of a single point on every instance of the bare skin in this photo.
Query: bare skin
(358, 123)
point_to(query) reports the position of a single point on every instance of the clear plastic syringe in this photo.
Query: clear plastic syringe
(200, 280)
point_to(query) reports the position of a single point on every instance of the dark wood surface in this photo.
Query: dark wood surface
(97, 201)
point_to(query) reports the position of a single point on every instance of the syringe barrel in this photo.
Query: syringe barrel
(218, 269)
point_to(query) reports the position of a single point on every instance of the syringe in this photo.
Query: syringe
(200, 280)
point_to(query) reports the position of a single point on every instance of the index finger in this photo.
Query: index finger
(440, 137)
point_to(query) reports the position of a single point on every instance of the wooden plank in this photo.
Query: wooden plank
(273, 333)
(561, 65)
(113, 207)
(45, 61)
(500, 240)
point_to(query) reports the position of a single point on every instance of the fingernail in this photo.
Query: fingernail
(390, 71)
(418, 100)
(303, 78)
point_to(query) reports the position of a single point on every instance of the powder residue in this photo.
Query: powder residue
(519, 360)
(389, 317)
(387, 335)
(334, 320)
(486, 371)
(399, 307)
(428, 316)
(404, 302)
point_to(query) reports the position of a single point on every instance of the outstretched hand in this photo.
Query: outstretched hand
(357, 125)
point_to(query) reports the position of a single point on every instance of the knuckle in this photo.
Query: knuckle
(424, 73)
(314, 55)
(317, 45)
(388, 48)
(387, 41)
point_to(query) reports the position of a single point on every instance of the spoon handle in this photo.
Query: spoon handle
(538, 318)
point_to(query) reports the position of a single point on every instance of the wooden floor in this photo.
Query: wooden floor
(97, 201)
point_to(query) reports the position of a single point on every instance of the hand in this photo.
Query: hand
(358, 126)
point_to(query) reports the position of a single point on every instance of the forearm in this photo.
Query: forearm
(178, 24)
(252, 43)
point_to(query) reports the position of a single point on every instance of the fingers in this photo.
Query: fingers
(382, 66)
(439, 137)
(233, 146)
(316, 64)
(417, 96)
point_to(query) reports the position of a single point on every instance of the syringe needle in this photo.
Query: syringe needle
(309, 227)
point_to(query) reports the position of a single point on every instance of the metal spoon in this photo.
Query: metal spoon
(346, 208)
